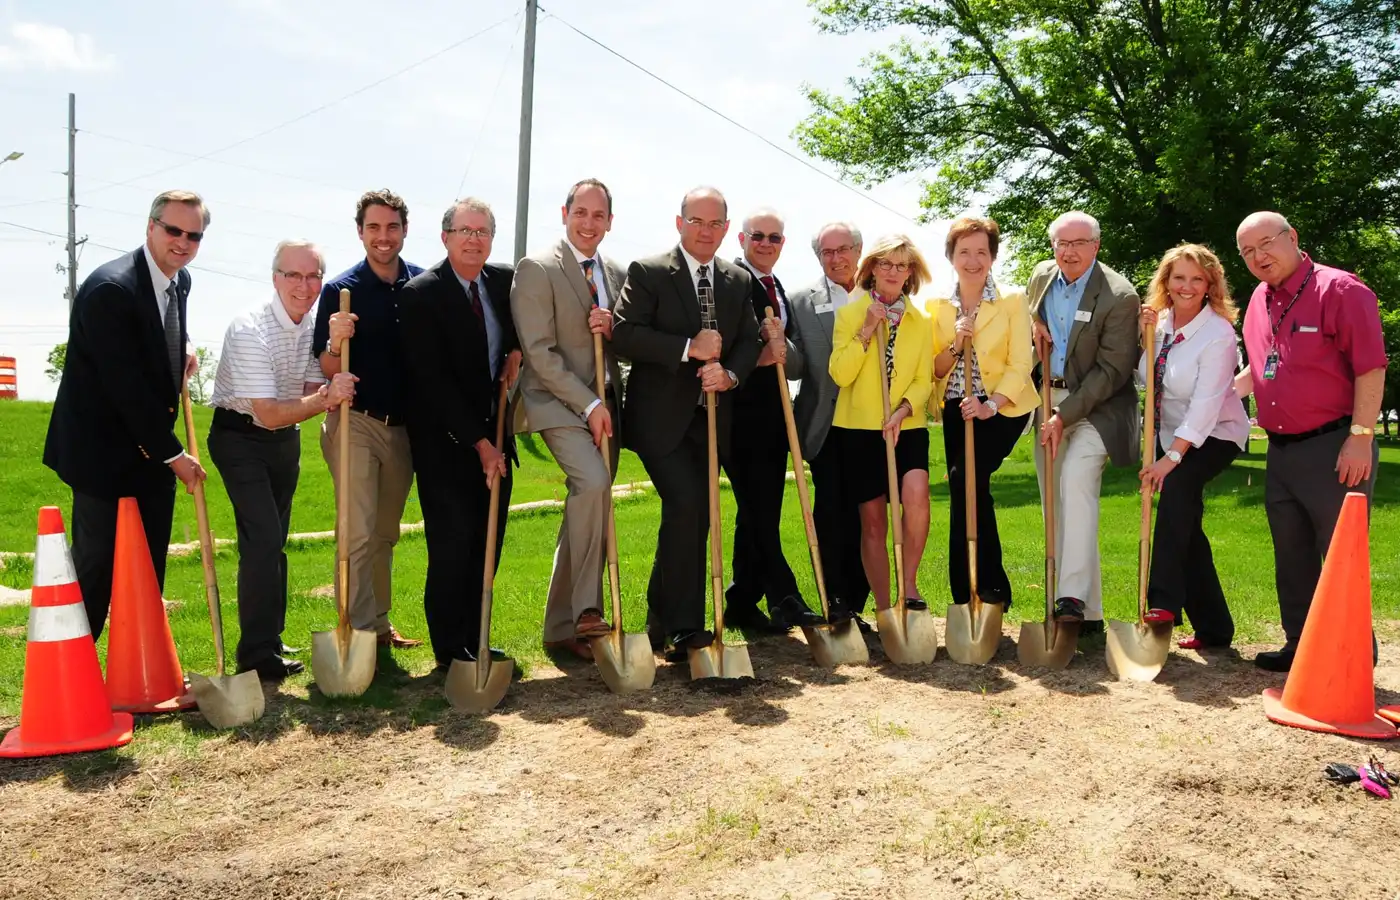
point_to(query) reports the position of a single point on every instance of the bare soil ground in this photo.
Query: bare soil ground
(941, 781)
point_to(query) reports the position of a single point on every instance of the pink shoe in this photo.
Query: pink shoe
(1191, 643)
(1159, 617)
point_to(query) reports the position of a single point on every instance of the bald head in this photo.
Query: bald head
(1269, 247)
(703, 222)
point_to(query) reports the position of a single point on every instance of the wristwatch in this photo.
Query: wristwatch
(992, 405)
(1362, 429)
(1174, 456)
(733, 379)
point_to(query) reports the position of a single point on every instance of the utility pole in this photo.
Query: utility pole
(72, 202)
(527, 102)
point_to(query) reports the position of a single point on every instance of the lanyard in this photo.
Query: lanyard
(1275, 326)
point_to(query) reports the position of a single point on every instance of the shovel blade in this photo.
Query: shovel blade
(343, 664)
(1137, 652)
(973, 639)
(633, 668)
(720, 661)
(1047, 645)
(841, 644)
(228, 701)
(908, 636)
(466, 692)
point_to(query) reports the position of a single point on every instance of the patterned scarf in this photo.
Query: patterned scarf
(894, 314)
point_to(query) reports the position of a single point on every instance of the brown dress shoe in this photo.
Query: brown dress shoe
(578, 648)
(590, 625)
(392, 638)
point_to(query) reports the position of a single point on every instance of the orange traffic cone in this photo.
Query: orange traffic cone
(1331, 686)
(143, 670)
(65, 707)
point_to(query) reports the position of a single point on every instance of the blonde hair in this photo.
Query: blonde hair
(919, 273)
(188, 198)
(1217, 292)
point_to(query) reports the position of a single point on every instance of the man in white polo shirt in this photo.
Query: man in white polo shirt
(267, 382)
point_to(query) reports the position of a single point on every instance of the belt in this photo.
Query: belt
(1059, 383)
(386, 418)
(243, 423)
(1283, 440)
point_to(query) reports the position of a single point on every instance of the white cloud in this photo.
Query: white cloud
(39, 46)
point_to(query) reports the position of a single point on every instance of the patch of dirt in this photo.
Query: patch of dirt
(866, 783)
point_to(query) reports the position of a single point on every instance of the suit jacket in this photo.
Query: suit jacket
(657, 313)
(759, 398)
(113, 422)
(451, 393)
(857, 369)
(1102, 354)
(1001, 338)
(550, 302)
(812, 320)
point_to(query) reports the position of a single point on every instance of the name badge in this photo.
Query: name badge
(825, 307)
(1081, 315)
(1307, 329)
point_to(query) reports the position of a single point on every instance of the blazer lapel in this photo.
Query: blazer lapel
(1087, 303)
(573, 273)
(614, 281)
(685, 288)
(1037, 298)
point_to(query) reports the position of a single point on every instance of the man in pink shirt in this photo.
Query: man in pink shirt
(1317, 370)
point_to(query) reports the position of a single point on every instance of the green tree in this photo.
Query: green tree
(54, 364)
(202, 381)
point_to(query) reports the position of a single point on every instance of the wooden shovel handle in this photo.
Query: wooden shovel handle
(1051, 576)
(716, 530)
(969, 484)
(1149, 455)
(892, 473)
(614, 582)
(206, 538)
(342, 496)
(488, 575)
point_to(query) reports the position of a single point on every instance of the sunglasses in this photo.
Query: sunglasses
(174, 232)
(759, 237)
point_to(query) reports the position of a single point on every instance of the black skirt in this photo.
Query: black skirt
(863, 455)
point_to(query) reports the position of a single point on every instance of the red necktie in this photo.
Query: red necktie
(771, 286)
(475, 296)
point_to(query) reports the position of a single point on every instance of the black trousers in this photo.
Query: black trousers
(757, 470)
(456, 502)
(993, 441)
(1182, 577)
(837, 519)
(676, 591)
(95, 540)
(1303, 500)
(260, 469)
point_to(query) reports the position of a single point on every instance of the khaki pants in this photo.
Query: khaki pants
(381, 473)
(1078, 477)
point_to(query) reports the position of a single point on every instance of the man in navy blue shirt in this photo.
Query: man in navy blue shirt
(381, 467)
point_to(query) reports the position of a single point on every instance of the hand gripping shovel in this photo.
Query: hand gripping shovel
(908, 636)
(717, 660)
(831, 645)
(1136, 651)
(974, 628)
(625, 661)
(1051, 644)
(227, 701)
(343, 660)
(479, 687)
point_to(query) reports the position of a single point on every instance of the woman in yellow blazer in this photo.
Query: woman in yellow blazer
(989, 330)
(889, 275)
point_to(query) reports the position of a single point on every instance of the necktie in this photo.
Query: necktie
(1158, 374)
(174, 340)
(894, 313)
(475, 295)
(770, 285)
(706, 295)
(588, 278)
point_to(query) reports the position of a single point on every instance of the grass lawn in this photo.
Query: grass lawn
(1235, 520)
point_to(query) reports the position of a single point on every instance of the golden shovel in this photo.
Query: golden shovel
(226, 701)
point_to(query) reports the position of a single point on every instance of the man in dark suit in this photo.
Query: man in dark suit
(758, 475)
(685, 320)
(459, 342)
(112, 432)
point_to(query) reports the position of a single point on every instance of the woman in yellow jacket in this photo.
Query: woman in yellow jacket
(989, 330)
(889, 275)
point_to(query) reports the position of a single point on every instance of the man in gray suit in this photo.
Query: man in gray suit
(837, 519)
(560, 299)
(1089, 313)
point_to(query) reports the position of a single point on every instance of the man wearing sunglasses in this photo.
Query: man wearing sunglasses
(112, 432)
(758, 472)
(685, 320)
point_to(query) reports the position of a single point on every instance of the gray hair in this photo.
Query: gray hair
(704, 191)
(471, 204)
(765, 211)
(848, 226)
(1072, 217)
(298, 244)
(189, 198)
(1260, 217)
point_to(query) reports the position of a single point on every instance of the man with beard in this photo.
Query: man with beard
(381, 467)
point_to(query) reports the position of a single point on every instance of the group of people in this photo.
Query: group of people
(878, 349)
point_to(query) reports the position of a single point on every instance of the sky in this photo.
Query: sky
(281, 114)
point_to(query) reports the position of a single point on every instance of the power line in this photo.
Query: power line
(128, 250)
(742, 127)
(486, 117)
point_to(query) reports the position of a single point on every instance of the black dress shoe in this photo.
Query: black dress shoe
(274, 668)
(1276, 660)
(838, 611)
(1069, 609)
(291, 651)
(791, 612)
(465, 655)
(915, 603)
(751, 618)
(864, 626)
(1091, 628)
(680, 643)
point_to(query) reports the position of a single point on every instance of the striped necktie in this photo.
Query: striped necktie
(1159, 376)
(588, 279)
(174, 343)
(705, 293)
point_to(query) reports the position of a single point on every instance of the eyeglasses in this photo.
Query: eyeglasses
(1073, 245)
(834, 252)
(1248, 253)
(759, 237)
(886, 265)
(174, 232)
(300, 277)
(713, 224)
(469, 232)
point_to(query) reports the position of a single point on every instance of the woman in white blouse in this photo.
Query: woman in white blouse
(1201, 428)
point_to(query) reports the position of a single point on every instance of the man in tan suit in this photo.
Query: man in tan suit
(1089, 314)
(561, 298)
